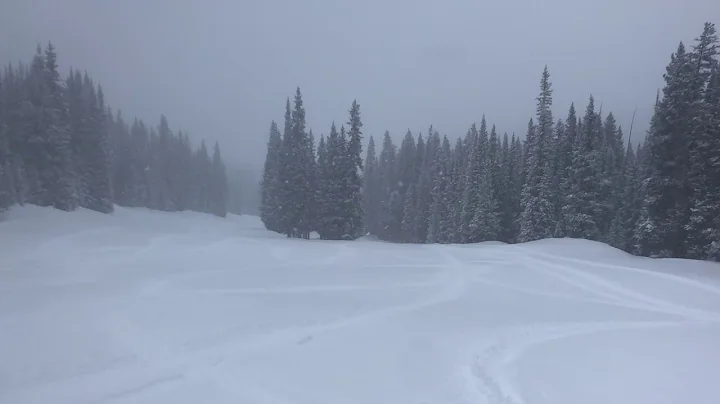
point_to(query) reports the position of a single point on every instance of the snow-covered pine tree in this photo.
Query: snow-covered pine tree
(566, 148)
(494, 165)
(219, 188)
(312, 179)
(405, 177)
(50, 137)
(389, 226)
(505, 192)
(139, 162)
(286, 211)
(17, 128)
(621, 228)
(551, 176)
(371, 190)
(661, 229)
(538, 220)
(322, 188)
(455, 194)
(440, 221)
(96, 159)
(611, 152)
(410, 215)
(485, 224)
(330, 225)
(419, 157)
(471, 186)
(354, 214)
(203, 174)
(270, 187)
(5, 192)
(120, 147)
(580, 208)
(704, 174)
(515, 183)
(407, 160)
(528, 196)
(303, 167)
(425, 184)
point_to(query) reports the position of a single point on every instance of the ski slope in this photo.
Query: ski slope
(152, 307)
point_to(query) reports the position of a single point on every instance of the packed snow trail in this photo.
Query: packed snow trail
(152, 307)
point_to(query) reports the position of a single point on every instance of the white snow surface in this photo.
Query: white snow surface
(151, 307)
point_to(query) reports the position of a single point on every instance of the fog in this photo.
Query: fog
(222, 69)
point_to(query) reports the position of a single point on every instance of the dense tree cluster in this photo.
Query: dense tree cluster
(61, 146)
(303, 193)
(572, 177)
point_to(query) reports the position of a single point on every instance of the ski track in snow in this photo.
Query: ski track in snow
(198, 359)
(490, 373)
(487, 369)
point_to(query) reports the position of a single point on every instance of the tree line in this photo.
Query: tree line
(62, 146)
(574, 177)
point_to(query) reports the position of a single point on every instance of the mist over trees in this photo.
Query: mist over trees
(62, 146)
(576, 176)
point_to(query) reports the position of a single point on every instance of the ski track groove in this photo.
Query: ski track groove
(662, 275)
(198, 359)
(489, 376)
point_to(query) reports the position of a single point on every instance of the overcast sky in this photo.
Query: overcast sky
(221, 69)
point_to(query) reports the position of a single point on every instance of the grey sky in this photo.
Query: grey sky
(221, 69)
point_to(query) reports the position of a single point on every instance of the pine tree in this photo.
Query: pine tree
(410, 214)
(455, 193)
(505, 192)
(538, 218)
(516, 183)
(405, 177)
(203, 179)
(322, 188)
(621, 229)
(286, 212)
(471, 184)
(440, 220)
(219, 190)
(139, 163)
(270, 187)
(51, 173)
(494, 166)
(18, 125)
(661, 229)
(425, 184)
(580, 209)
(313, 212)
(485, 224)
(528, 200)
(388, 180)
(354, 214)
(302, 168)
(333, 190)
(551, 190)
(5, 192)
(611, 152)
(704, 172)
(371, 191)
(566, 149)
(96, 161)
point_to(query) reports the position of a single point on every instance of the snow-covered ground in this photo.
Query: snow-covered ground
(150, 307)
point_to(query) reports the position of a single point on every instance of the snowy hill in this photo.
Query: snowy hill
(151, 307)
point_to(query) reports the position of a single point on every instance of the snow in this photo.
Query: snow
(151, 307)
